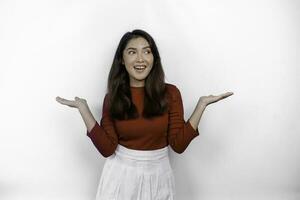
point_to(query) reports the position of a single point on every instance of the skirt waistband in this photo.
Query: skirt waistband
(142, 161)
(142, 155)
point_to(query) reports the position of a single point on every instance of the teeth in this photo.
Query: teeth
(139, 67)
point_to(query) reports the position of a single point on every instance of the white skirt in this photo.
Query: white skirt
(130, 174)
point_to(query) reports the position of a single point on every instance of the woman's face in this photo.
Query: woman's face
(138, 60)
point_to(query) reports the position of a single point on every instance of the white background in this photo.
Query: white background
(249, 143)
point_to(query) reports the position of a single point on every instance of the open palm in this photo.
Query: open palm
(72, 103)
(206, 100)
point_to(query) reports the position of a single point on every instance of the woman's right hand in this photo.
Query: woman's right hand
(77, 103)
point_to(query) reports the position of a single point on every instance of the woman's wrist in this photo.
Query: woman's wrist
(83, 106)
(201, 104)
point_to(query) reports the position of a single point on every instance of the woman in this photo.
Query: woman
(141, 116)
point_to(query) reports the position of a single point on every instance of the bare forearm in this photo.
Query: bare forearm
(87, 117)
(196, 116)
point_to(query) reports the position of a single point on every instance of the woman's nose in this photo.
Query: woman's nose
(140, 57)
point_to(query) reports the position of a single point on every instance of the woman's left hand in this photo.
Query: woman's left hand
(206, 100)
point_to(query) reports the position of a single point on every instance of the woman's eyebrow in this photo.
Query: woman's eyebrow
(135, 48)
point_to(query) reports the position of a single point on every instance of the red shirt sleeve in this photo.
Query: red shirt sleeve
(104, 136)
(180, 133)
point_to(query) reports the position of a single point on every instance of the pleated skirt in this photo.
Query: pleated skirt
(130, 174)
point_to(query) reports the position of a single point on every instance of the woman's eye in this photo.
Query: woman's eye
(148, 52)
(130, 52)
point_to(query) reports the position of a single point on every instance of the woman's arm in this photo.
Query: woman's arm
(201, 105)
(103, 134)
(180, 133)
(196, 116)
(87, 117)
(82, 106)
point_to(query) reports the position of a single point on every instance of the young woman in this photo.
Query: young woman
(141, 116)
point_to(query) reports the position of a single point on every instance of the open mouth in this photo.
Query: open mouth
(139, 68)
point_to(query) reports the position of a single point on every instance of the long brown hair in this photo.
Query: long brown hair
(121, 107)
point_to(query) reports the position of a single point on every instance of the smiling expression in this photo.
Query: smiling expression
(138, 60)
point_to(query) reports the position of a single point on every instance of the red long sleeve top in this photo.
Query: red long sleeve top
(141, 133)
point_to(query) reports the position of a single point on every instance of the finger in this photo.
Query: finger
(77, 98)
(60, 99)
(65, 101)
(225, 95)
